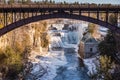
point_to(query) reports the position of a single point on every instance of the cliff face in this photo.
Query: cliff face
(28, 35)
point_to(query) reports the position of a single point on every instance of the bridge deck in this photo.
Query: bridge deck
(81, 7)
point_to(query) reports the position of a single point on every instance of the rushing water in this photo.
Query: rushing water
(72, 70)
(62, 64)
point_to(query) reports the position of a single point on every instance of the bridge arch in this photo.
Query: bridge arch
(22, 22)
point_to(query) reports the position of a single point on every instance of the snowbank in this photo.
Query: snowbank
(91, 65)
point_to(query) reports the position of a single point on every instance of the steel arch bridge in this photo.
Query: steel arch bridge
(14, 16)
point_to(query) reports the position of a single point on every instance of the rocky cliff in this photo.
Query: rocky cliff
(27, 35)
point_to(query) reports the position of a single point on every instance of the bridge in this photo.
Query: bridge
(14, 16)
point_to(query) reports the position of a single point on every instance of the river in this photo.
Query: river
(63, 64)
(72, 70)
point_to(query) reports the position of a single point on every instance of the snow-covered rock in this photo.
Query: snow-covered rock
(45, 65)
(91, 63)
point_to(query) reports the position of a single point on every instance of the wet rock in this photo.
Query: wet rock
(81, 63)
(69, 50)
(61, 69)
(57, 48)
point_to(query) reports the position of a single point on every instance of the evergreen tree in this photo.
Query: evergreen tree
(53, 2)
(108, 45)
(11, 1)
(28, 1)
(19, 1)
(50, 1)
(65, 2)
(23, 1)
(4, 1)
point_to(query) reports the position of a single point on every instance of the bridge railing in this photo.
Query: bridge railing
(59, 6)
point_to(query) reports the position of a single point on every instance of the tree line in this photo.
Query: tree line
(46, 2)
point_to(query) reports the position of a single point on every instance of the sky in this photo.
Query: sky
(90, 1)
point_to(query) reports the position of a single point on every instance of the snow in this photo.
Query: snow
(50, 61)
(103, 30)
(91, 65)
(56, 41)
(58, 26)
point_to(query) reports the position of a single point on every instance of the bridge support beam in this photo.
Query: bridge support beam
(116, 16)
(79, 12)
(14, 17)
(71, 12)
(97, 15)
(20, 15)
(4, 14)
(107, 15)
(88, 13)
